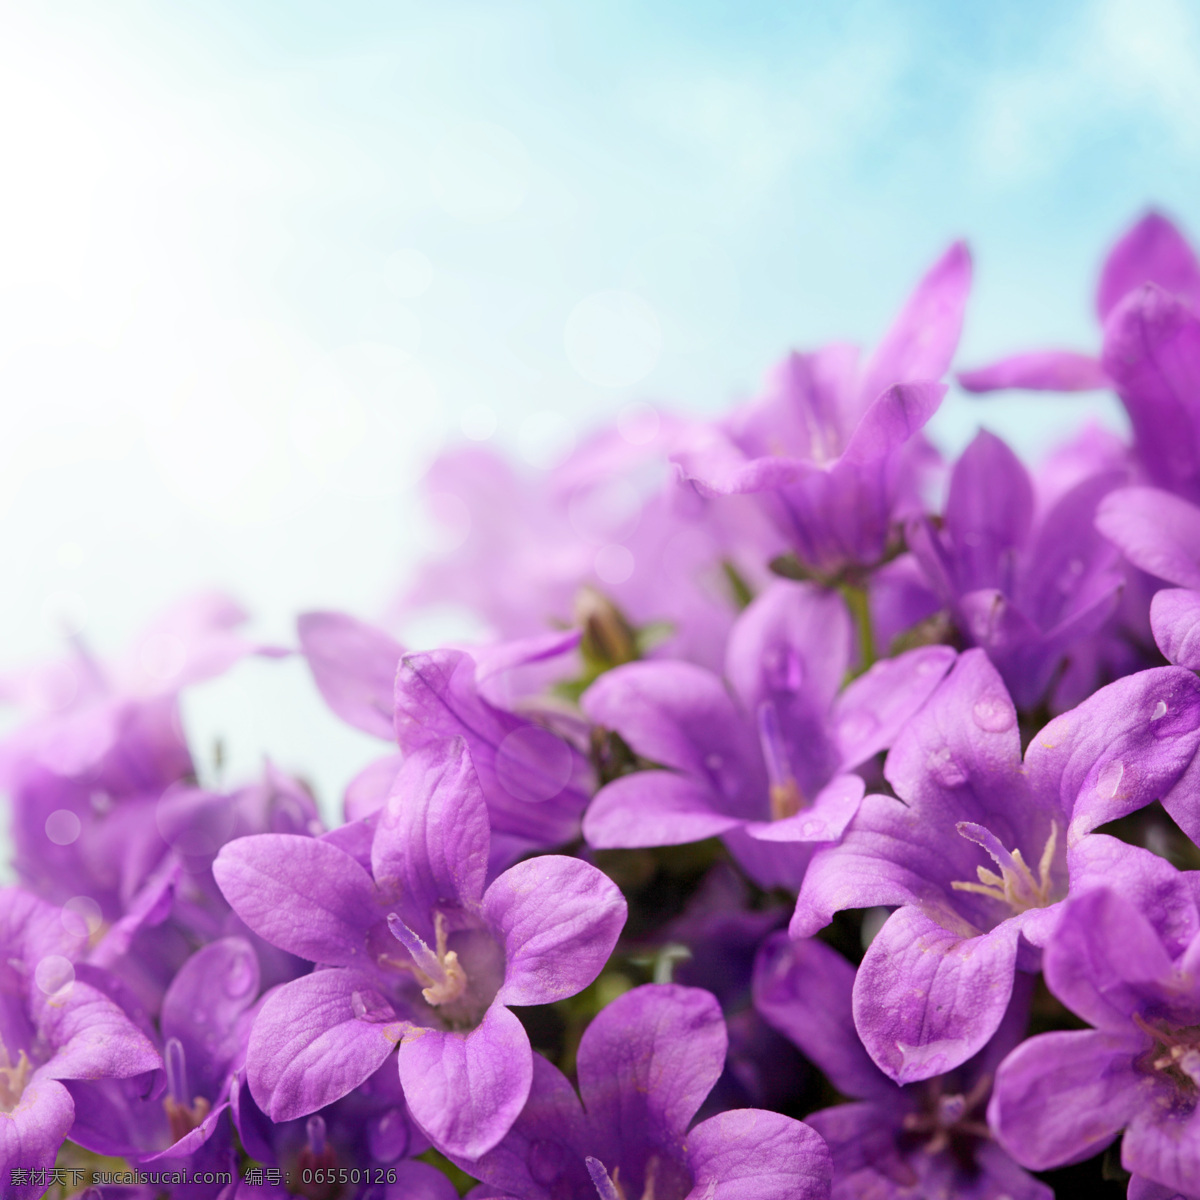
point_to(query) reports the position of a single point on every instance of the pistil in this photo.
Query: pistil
(785, 795)
(1016, 885)
(440, 972)
(182, 1117)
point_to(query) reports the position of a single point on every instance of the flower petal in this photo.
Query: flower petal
(803, 989)
(354, 665)
(1105, 961)
(431, 845)
(873, 709)
(926, 1000)
(1156, 531)
(653, 808)
(751, 1154)
(1128, 744)
(1153, 251)
(1038, 371)
(1062, 1097)
(648, 1059)
(924, 335)
(560, 919)
(31, 1134)
(466, 1089)
(1175, 620)
(308, 1047)
(301, 894)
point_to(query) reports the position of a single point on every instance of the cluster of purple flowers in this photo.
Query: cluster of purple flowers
(797, 834)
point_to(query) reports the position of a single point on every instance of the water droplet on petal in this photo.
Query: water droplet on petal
(945, 768)
(240, 977)
(994, 714)
(1109, 779)
(714, 762)
(1160, 711)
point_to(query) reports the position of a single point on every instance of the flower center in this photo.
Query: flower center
(664, 1181)
(1016, 884)
(316, 1155)
(952, 1121)
(784, 792)
(13, 1078)
(440, 972)
(1175, 1055)
(182, 1117)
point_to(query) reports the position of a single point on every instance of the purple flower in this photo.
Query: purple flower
(53, 1027)
(831, 451)
(1124, 958)
(767, 768)
(417, 953)
(1153, 251)
(1030, 590)
(535, 781)
(895, 1143)
(645, 1064)
(978, 850)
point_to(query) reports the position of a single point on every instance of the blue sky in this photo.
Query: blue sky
(262, 259)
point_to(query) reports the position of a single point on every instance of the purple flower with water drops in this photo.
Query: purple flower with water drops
(204, 1027)
(1154, 252)
(927, 1139)
(55, 1026)
(415, 952)
(831, 452)
(977, 850)
(1124, 957)
(766, 762)
(645, 1065)
(1032, 589)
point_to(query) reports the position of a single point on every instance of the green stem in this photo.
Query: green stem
(860, 610)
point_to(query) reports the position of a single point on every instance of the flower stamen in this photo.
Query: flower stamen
(440, 971)
(1016, 885)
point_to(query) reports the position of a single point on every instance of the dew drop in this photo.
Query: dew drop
(993, 714)
(1109, 779)
(358, 1007)
(239, 979)
(945, 768)
(1160, 711)
(714, 762)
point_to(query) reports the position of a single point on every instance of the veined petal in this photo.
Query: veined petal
(301, 894)
(1153, 251)
(751, 1154)
(466, 1089)
(1175, 620)
(1155, 530)
(316, 1039)
(560, 919)
(926, 1000)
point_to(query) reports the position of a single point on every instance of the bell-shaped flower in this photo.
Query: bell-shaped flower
(204, 1027)
(766, 762)
(1031, 589)
(892, 1142)
(534, 779)
(1126, 958)
(415, 952)
(645, 1065)
(831, 451)
(977, 850)
(54, 1027)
